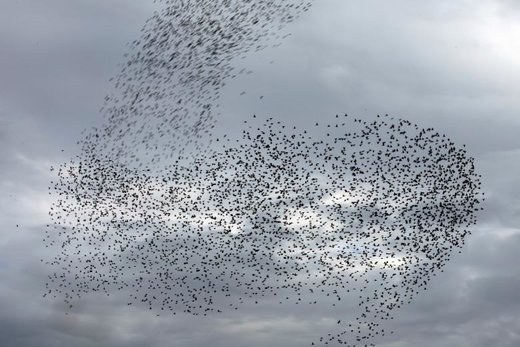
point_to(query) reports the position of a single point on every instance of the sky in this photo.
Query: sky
(451, 65)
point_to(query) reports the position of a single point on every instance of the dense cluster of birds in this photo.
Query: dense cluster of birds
(355, 207)
(166, 94)
(370, 209)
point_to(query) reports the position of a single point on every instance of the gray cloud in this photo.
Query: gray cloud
(446, 64)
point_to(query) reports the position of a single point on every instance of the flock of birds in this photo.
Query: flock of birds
(167, 92)
(371, 209)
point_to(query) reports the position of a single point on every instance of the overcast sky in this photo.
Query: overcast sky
(449, 64)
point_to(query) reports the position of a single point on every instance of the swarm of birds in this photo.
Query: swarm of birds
(276, 213)
(167, 92)
(371, 209)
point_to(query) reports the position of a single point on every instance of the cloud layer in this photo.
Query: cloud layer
(448, 64)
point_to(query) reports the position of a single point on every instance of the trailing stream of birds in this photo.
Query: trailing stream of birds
(158, 210)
